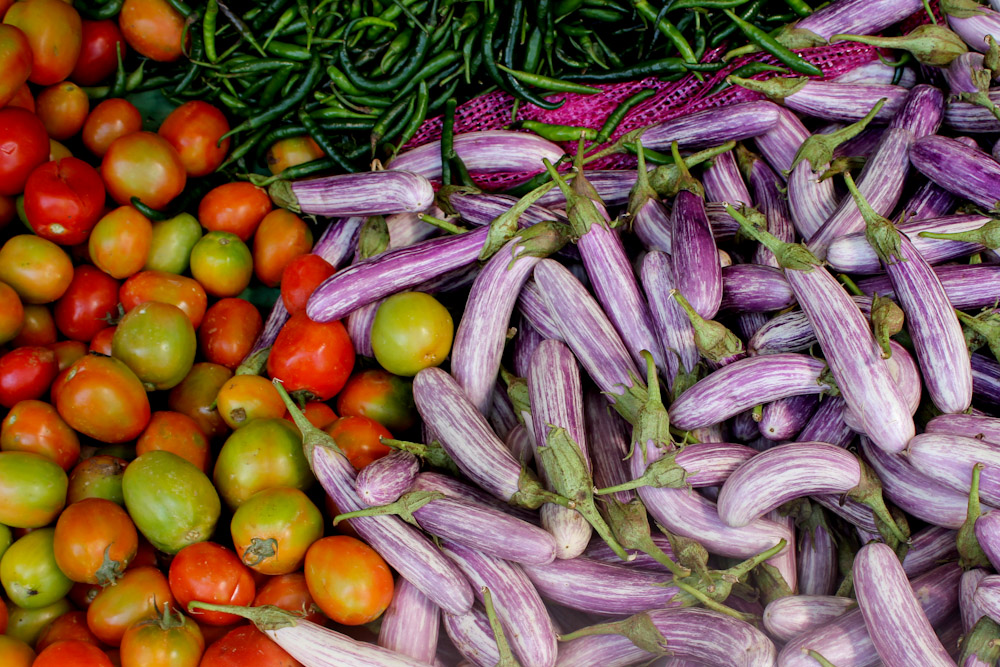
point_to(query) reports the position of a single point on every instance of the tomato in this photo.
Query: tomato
(348, 580)
(88, 304)
(289, 592)
(27, 624)
(120, 242)
(300, 278)
(63, 200)
(102, 398)
(39, 327)
(145, 556)
(170, 500)
(23, 99)
(141, 593)
(72, 653)
(71, 625)
(411, 331)
(281, 237)
(153, 28)
(244, 398)
(101, 342)
(172, 640)
(24, 144)
(379, 395)
(26, 373)
(229, 331)
(209, 572)
(195, 397)
(292, 151)
(15, 54)
(316, 357)
(316, 413)
(37, 269)
(274, 528)
(67, 352)
(246, 645)
(194, 129)
(15, 653)
(35, 426)
(8, 211)
(29, 572)
(173, 239)
(143, 165)
(156, 340)
(3, 608)
(100, 476)
(108, 121)
(222, 263)
(359, 438)
(263, 454)
(94, 541)
(11, 313)
(63, 109)
(32, 489)
(54, 30)
(176, 433)
(234, 207)
(98, 52)
(181, 291)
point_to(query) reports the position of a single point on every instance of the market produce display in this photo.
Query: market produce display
(440, 333)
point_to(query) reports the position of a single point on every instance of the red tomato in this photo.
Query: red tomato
(120, 241)
(94, 541)
(35, 426)
(379, 395)
(180, 291)
(209, 572)
(348, 580)
(23, 99)
(301, 277)
(15, 54)
(246, 645)
(236, 207)
(229, 330)
(39, 327)
(142, 592)
(359, 438)
(67, 351)
(316, 413)
(26, 373)
(98, 58)
(194, 129)
(63, 200)
(289, 592)
(72, 653)
(195, 397)
(153, 28)
(175, 433)
(108, 121)
(101, 398)
(143, 165)
(54, 30)
(11, 313)
(313, 356)
(71, 625)
(24, 144)
(281, 236)
(88, 305)
(62, 108)
(101, 342)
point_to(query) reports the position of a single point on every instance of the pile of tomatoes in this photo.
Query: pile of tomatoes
(141, 467)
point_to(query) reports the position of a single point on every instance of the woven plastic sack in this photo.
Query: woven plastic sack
(684, 96)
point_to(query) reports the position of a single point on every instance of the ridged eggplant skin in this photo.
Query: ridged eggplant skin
(949, 459)
(988, 534)
(973, 29)
(533, 308)
(854, 357)
(392, 271)
(761, 379)
(451, 487)
(755, 288)
(608, 444)
(922, 112)
(784, 418)
(817, 562)
(929, 547)
(845, 640)
(980, 427)
(482, 208)
(702, 635)
(598, 549)
(784, 473)
(411, 623)
(711, 127)
(472, 635)
(612, 186)
(789, 617)
(985, 379)
(827, 424)
(651, 224)
(724, 183)
(526, 622)
(359, 324)
(987, 595)
(484, 151)
(906, 376)
(368, 193)
(967, 285)
(851, 511)
(695, 257)
(810, 200)
(385, 479)
(970, 611)
(400, 544)
(858, 17)
(963, 170)
(779, 144)
(929, 201)
(671, 324)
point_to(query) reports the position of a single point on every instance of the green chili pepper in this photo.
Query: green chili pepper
(319, 136)
(338, 113)
(106, 10)
(433, 66)
(133, 80)
(748, 70)
(286, 19)
(373, 101)
(668, 29)
(235, 104)
(242, 28)
(197, 50)
(566, 7)
(800, 7)
(298, 171)
(289, 51)
(410, 67)
(418, 116)
(444, 96)
(258, 65)
(729, 29)
(492, 21)
(397, 47)
(467, 45)
(118, 87)
(615, 118)
(661, 67)
(769, 44)
(285, 105)
(274, 86)
(208, 21)
(600, 14)
(150, 213)
(558, 132)
(389, 117)
(181, 8)
(267, 13)
(548, 83)
(513, 84)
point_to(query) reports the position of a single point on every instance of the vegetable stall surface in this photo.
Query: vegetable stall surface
(462, 332)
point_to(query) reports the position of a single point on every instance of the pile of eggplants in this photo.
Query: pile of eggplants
(740, 416)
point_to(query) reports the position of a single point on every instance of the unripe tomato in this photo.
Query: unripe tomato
(274, 528)
(54, 30)
(95, 540)
(11, 313)
(244, 398)
(141, 593)
(292, 151)
(29, 572)
(37, 269)
(35, 426)
(222, 263)
(32, 489)
(195, 397)
(173, 240)
(411, 331)
(120, 241)
(348, 580)
(175, 433)
(39, 327)
(156, 340)
(181, 291)
(15, 62)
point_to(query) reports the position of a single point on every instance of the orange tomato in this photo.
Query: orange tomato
(15, 55)
(236, 207)
(247, 397)
(63, 109)
(194, 129)
(35, 426)
(39, 327)
(55, 32)
(108, 121)
(143, 165)
(281, 237)
(120, 241)
(153, 28)
(175, 433)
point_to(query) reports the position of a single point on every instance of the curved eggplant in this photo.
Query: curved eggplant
(410, 624)
(789, 617)
(385, 479)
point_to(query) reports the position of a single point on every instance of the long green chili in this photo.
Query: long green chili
(769, 44)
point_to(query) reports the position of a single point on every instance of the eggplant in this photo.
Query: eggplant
(929, 547)
(987, 595)
(695, 256)
(922, 111)
(769, 193)
(789, 617)
(472, 635)
(613, 186)
(854, 16)
(723, 182)
(817, 556)
(711, 127)
(972, 22)
(980, 427)
(780, 144)
(827, 424)
(532, 305)
(671, 324)
(965, 171)
(845, 102)
(450, 487)
(967, 286)
(361, 194)
(485, 151)
(784, 418)
(385, 479)
(790, 331)
(971, 612)
(755, 288)
(949, 460)
(482, 208)
(410, 624)
(985, 379)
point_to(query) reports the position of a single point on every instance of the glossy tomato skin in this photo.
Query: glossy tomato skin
(26, 373)
(141, 593)
(411, 331)
(29, 572)
(72, 653)
(99, 476)
(67, 352)
(348, 580)
(108, 121)
(102, 398)
(195, 397)
(359, 438)
(143, 165)
(246, 645)
(222, 263)
(274, 528)
(28, 624)
(244, 398)
(313, 356)
(15, 652)
(173, 240)
(264, 453)
(98, 57)
(317, 413)
(379, 395)
(292, 151)
(175, 433)
(88, 305)
(281, 236)
(54, 30)
(15, 54)
(120, 241)
(24, 144)
(39, 327)
(101, 342)
(63, 200)
(35, 426)
(181, 291)
(157, 341)
(300, 278)
(289, 592)
(95, 540)
(62, 108)
(236, 207)
(11, 313)
(153, 28)
(71, 625)
(229, 331)
(209, 572)
(174, 640)
(194, 129)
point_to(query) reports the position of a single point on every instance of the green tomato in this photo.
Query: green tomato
(262, 454)
(171, 501)
(29, 573)
(32, 489)
(173, 240)
(157, 342)
(28, 624)
(6, 537)
(412, 331)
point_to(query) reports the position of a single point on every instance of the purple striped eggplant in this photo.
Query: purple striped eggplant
(789, 617)
(359, 324)
(501, 415)
(483, 151)
(755, 288)
(853, 254)
(827, 424)
(368, 193)
(761, 379)
(987, 595)
(671, 324)
(929, 201)
(846, 102)
(969, 81)
(985, 379)
(716, 344)
(450, 487)
(980, 427)
(972, 22)
(521, 444)
(472, 635)
(949, 460)
(701, 635)
(967, 286)
(784, 418)
(967, 172)
(613, 186)
(969, 118)
(971, 613)
(851, 511)
(817, 555)
(780, 144)
(410, 624)
(384, 480)
(856, 16)
(929, 547)
(769, 193)
(922, 112)
(609, 444)
(518, 606)
(875, 71)
(711, 127)
(791, 332)
(723, 182)
(599, 550)
(695, 466)
(407, 228)
(743, 426)
(482, 208)
(929, 44)
(649, 217)
(532, 306)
